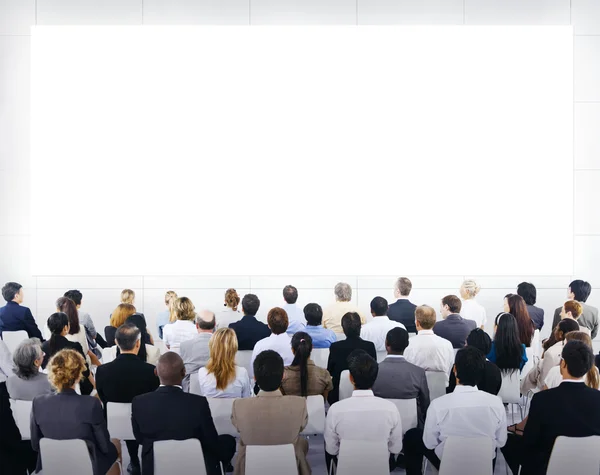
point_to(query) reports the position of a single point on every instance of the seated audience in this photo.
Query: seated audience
(377, 329)
(95, 341)
(592, 378)
(66, 415)
(294, 313)
(15, 317)
(182, 416)
(76, 331)
(508, 353)
(231, 313)
(363, 416)
(332, 315)
(426, 349)
(117, 318)
(164, 318)
(126, 377)
(515, 305)
(270, 418)
(321, 337)
(569, 410)
(572, 309)
(302, 377)
(529, 293)
(279, 340)
(183, 328)
(470, 308)
(28, 382)
(580, 291)
(466, 412)
(195, 353)
(453, 327)
(148, 352)
(248, 329)
(221, 377)
(402, 310)
(128, 297)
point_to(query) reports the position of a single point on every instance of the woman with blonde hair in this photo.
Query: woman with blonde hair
(184, 327)
(221, 377)
(471, 309)
(128, 296)
(66, 415)
(166, 316)
(117, 318)
(231, 314)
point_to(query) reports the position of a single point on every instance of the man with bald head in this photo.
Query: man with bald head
(171, 414)
(195, 352)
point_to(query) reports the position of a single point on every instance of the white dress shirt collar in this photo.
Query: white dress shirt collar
(394, 356)
(171, 386)
(574, 380)
(425, 332)
(362, 393)
(465, 389)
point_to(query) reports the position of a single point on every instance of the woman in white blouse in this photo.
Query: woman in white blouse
(231, 313)
(221, 377)
(183, 328)
(471, 309)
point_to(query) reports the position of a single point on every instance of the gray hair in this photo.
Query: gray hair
(343, 292)
(205, 319)
(24, 358)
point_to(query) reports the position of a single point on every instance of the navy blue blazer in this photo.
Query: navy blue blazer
(14, 317)
(455, 329)
(249, 331)
(403, 311)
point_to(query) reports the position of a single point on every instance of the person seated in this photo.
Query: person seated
(279, 340)
(28, 382)
(148, 352)
(332, 315)
(14, 316)
(508, 353)
(67, 415)
(363, 416)
(248, 329)
(321, 337)
(181, 416)
(340, 350)
(403, 310)
(592, 378)
(295, 315)
(569, 410)
(377, 329)
(76, 331)
(195, 353)
(221, 377)
(270, 418)
(126, 377)
(128, 297)
(515, 305)
(164, 318)
(466, 412)
(95, 340)
(453, 327)
(580, 291)
(117, 318)
(231, 314)
(183, 328)
(573, 309)
(302, 377)
(470, 308)
(529, 293)
(426, 349)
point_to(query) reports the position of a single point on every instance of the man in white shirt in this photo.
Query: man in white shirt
(427, 350)
(332, 315)
(296, 319)
(194, 352)
(362, 416)
(466, 412)
(377, 329)
(278, 341)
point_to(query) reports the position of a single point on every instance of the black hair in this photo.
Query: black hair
(351, 324)
(74, 295)
(290, 294)
(313, 313)
(250, 304)
(302, 346)
(480, 340)
(363, 369)
(9, 290)
(528, 291)
(268, 370)
(578, 357)
(140, 322)
(469, 364)
(580, 288)
(397, 340)
(126, 336)
(379, 306)
(509, 352)
(56, 323)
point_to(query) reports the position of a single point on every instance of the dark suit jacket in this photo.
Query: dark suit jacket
(249, 331)
(399, 379)
(490, 383)
(169, 413)
(403, 311)
(571, 410)
(338, 360)
(537, 316)
(109, 335)
(455, 329)
(60, 344)
(588, 318)
(15, 317)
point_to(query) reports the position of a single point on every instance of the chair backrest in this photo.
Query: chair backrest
(12, 339)
(530, 353)
(510, 391)
(315, 406)
(118, 418)
(359, 457)
(575, 454)
(262, 459)
(536, 344)
(22, 414)
(320, 357)
(437, 382)
(183, 457)
(467, 455)
(65, 456)
(340, 336)
(109, 354)
(346, 387)
(220, 409)
(381, 355)
(195, 384)
(244, 359)
(408, 413)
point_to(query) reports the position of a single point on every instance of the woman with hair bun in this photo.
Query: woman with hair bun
(231, 313)
(471, 309)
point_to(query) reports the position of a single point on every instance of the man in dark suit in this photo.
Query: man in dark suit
(403, 310)
(13, 316)
(453, 328)
(170, 414)
(569, 410)
(249, 330)
(340, 350)
(580, 290)
(125, 378)
(529, 293)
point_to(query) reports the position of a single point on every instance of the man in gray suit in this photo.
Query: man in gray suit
(195, 353)
(580, 290)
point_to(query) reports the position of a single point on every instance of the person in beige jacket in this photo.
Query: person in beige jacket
(270, 418)
(332, 315)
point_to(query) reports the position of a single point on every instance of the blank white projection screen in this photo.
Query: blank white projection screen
(302, 150)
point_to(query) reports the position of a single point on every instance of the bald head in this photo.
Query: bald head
(205, 320)
(170, 369)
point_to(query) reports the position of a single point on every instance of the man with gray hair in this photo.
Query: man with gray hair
(194, 352)
(402, 310)
(27, 381)
(332, 315)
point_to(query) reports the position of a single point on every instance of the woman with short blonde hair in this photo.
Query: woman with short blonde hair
(184, 327)
(471, 309)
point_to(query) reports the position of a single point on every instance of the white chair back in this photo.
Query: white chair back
(346, 387)
(437, 382)
(510, 391)
(22, 414)
(109, 354)
(244, 359)
(340, 336)
(262, 459)
(118, 418)
(467, 455)
(359, 457)
(195, 384)
(183, 457)
(315, 406)
(381, 355)
(220, 409)
(13, 339)
(408, 413)
(536, 344)
(530, 362)
(65, 456)
(575, 454)
(320, 357)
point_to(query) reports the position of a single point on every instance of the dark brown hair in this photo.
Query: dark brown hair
(453, 302)
(518, 309)
(278, 320)
(66, 305)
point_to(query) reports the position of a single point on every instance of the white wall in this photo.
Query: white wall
(101, 293)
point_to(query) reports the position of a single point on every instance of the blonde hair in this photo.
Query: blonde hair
(170, 298)
(232, 299)
(120, 314)
(127, 296)
(65, 369)
(471, 287)
(592, 376)
(184, 309)
(223, 346)
(425, 315)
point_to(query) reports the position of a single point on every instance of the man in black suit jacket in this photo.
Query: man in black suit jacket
(403, 310)
(249, 330)
(569, 410)
(125, 378)
(13, 316)
(170, 414)
(453, 328)
(340, 350)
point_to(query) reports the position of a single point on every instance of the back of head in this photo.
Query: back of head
(574, 307)
(363, 369)
(396, 341)
(592, 376)
(65, 369)
(528, 291)
(127, 336)
(170, 296)
(268, 370)
(379, 306)
(206, 320)
(277, 319)
(568, 325)
(404, 286)
(75, 295)
(581, 289)
(469, 366)
(578, 358)
(250, 304)
(343, 292)
(9, 290)
(518, 309)
(232, 299)
(351, 324)
(290, 294)
(453, 302)
(223, 346)
(56, 324)
(426, 317)
(184, 309)
(170, 369)
(128, 296)
(302, 346)
(66, 305)
(480, 340)
(313, 313)
(121, 314)
(508, 346)
(24, 358)
(470, 288)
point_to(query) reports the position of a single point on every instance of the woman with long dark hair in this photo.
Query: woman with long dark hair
(515, 305)
(76, 331)
(507, 352)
